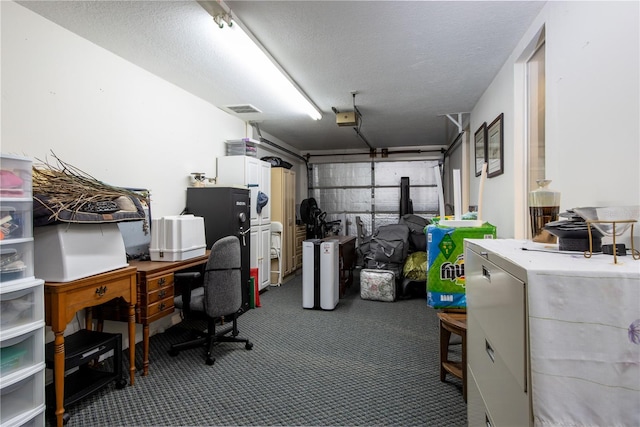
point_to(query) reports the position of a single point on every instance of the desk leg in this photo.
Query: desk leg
(88, 313)
(145, 348)
(132, 342)
(58, 375)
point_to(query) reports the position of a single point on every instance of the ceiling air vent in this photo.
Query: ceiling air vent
(243, 109)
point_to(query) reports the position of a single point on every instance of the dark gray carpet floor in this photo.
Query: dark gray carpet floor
(366, 363)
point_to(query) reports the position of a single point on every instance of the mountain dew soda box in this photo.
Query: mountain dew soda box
(445, 263)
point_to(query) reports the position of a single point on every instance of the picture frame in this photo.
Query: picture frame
(480, 144)
(495, 147)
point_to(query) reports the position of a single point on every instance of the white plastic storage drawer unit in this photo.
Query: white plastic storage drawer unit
(22, 366)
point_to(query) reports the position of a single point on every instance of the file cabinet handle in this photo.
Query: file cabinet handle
(486, 273)
(490, 351)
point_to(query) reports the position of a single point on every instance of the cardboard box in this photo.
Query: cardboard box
(177, 238)
(445, 265)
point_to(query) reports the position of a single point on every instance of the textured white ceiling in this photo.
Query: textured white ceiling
(410, 61)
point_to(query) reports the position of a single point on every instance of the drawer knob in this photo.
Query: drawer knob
(161, 306)
(162, 281)
(100, 291)
(162, 293)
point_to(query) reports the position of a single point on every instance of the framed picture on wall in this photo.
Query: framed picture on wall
(480, 144)
(495, 147)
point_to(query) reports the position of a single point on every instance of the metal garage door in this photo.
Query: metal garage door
(371, 190)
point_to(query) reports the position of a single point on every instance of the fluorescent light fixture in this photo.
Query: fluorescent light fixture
(244, 46)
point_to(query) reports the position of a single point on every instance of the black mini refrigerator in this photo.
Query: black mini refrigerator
(226, 212)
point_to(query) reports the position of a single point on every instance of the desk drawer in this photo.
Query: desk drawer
(160, 282)
(157, 310)
(94, 295)
(157, 295)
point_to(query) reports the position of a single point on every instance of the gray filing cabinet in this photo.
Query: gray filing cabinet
(498, 377)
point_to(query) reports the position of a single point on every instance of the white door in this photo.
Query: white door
(255, 247)
(252, 178)
(265, 187)
(264, 258)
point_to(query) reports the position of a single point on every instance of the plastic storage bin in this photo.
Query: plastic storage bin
(15, 220)
(22, 352)
(16, 259)
(177, 238)
(21, 397)
(32, 418)
(241, 147)
(21, 307)
(66, 252)
(15, 177)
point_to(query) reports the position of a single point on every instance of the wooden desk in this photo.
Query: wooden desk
(347, 249)
(156, 292)
(63, 300)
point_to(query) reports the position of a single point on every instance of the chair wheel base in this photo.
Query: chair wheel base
(210, 361)
(248, 346)
(173, 353)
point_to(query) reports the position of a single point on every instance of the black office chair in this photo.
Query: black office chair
(219, 297)
(315, 220)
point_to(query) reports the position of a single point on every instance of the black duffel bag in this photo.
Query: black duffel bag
(390, 244)
(417, 236)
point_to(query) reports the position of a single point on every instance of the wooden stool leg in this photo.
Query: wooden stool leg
(445, 335)
(463, 334)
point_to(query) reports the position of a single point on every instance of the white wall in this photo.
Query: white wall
(106, 116)
(592, 113)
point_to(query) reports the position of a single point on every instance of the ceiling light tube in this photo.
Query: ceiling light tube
(248, 46)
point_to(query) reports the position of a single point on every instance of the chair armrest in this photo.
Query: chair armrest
(184, 280)
(187, 275)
